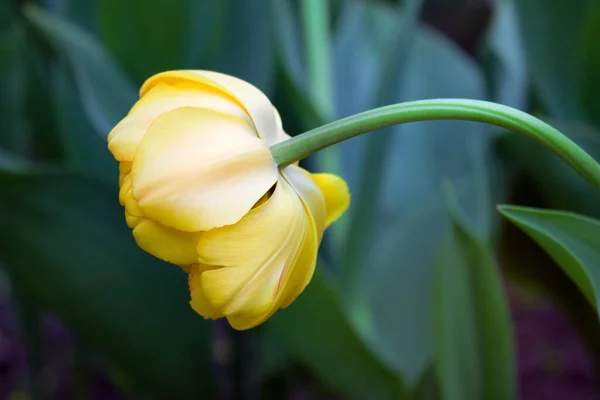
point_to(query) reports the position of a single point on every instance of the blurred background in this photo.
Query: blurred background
(422, 289)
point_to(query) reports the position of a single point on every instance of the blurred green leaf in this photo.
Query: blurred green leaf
(572, 240)
(509, 75)
(32, 332)
(15, 134)
(208, 23)
(249, 53)
(551, 32)
(428, 387)
(65, 241)
(370, 48)
(289, 41)
(106, 93)
(473, 333)
(45, 143)
(411, 218)
(372, 45)
(318, 334)
(149, 37)
(83, 150)
(561, 187)
(590, 83)
(85, 14)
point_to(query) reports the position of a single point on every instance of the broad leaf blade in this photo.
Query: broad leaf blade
(551, 32)
(105, 91)
(412, 218)
(572, 240)
(561, 187)
(590, 83)
(83, 149)
(65, 241)
(473, 332)
(509, 76)
(15, 135)
(248, 41)
(150, 37)
(319, 334)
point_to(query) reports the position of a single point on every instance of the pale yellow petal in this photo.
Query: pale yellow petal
(304, 265)
(197, 169)
(198, 301)
(125, 138)
(256, 104)
(309, 192)
(260, 255)
(166, 243)
(336, 193)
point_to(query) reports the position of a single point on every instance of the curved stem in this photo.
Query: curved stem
(312, 141)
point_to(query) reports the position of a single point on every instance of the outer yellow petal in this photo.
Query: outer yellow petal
(256, 104)
(260, 255)
(312, 197)
(125, 138)
(126, 198)
(132, 221)
(197, 169)
(124, 170)
(336, 193)
(166, 243)
(199, 302)
(314, 204)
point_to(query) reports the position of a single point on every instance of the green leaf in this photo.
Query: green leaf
(509, 75)
(411, 219)
(551, 32)
(387, 28)
(15, 135)
(319, 335)
(83, 150)
(148, 37)
(246, 48)
(560, 186)
(289, 41)
(32, 333)
(572, 240)
(106, 93)
(590, 83)
(473, 332)
(64, 239)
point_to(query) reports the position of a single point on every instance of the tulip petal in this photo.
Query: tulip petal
(199, 302)
(126, 198)
(132, 221)
(168, 244)
(259, 255)
(336, 193)
(125, 138)
(197, 169)
(302, 182)
(256, 104)
(124, 170)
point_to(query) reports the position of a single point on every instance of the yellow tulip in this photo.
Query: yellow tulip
(201, 190)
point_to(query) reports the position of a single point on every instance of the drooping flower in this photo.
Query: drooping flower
(201, 190)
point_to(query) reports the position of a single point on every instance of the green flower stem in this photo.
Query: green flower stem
(301, 146)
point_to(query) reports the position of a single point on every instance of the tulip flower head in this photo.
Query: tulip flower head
(201, 190)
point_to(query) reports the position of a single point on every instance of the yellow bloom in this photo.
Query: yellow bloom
(201, 190)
